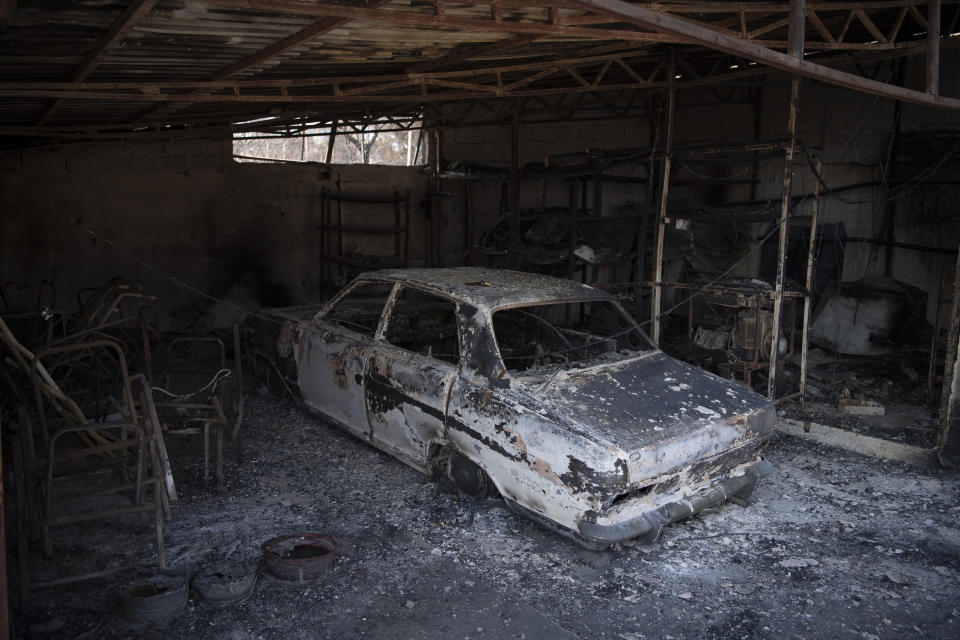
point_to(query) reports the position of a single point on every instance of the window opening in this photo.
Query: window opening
(566, 335)
(360, 308)
(424, 323)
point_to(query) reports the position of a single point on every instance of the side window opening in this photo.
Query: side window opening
(424, 323)
(573, 334)
(360, 309)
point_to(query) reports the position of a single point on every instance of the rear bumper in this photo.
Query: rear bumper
(647, 526)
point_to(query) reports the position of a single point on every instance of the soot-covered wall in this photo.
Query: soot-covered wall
(174, 216)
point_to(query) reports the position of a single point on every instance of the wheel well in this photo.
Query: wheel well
(438, 460)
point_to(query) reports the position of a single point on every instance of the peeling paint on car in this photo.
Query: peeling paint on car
(604, 452)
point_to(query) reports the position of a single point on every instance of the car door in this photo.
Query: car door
(409, 374)
(334, 351)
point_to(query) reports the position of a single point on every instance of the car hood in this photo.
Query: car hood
(662, 412)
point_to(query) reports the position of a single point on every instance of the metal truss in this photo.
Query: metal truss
(619, 52)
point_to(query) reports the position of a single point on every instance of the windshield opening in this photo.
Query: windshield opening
(565, 335)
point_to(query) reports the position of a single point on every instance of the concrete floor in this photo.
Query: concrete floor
(835, 546)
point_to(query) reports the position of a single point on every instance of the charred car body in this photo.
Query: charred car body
(540, 389)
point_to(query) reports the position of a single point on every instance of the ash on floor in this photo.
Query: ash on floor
(836, 545)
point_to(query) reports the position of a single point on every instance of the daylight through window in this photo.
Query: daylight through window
(398, 142)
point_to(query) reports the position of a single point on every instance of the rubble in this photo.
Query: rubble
(468, 564)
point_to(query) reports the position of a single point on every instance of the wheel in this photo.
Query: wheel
(469, 478)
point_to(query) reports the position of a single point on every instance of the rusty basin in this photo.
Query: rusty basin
(298, 557)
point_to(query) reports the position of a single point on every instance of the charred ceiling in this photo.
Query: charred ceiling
(87, 69)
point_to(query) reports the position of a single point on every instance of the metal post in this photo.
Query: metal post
(797, 17)
(808, 297)
(948, 444)
(515, 187)
(331, 141)
(4, 611)
(932, 369)
(795, 49)
(572, 236)
(656, 298)
(782, 245)
(933, 47)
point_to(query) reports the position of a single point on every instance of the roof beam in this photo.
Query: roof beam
(697, 34)
(266, 54)
(473, 53)
(933, 47)
(117, 32)
(446, 21)
(292, 41)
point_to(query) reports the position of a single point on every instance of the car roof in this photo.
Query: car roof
(492, 288)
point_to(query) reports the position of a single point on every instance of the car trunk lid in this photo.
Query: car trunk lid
(662, 412)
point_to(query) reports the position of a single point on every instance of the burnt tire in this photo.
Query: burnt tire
(470, 480)
(155, 600)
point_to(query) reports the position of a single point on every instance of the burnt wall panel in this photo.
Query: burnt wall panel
(246, 233)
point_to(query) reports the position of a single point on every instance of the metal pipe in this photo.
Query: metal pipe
(514, 187)
(656, 297)
(933, 47)
(808, 298)
(782, 245)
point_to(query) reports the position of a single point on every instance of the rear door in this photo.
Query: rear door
(409, 374)
(334, 351)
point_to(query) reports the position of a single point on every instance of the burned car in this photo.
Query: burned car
(541, 390)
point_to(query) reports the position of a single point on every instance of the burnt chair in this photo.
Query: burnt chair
(97, 455)
(199, 392)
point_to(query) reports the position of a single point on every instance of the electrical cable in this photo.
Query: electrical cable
(173, 279)
(217, 377)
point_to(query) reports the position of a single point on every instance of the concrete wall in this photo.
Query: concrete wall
(246, 233)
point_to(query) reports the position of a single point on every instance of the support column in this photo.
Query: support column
(515, 187)
(331, 141)
(656, 297)
(948, 438)
(808, 298)
(933, 47)
(794, 48)
(782, 245)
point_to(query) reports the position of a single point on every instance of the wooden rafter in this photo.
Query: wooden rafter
(622, 36)
(268, 53)
(117, 31)
(773, 15)
(474, 52)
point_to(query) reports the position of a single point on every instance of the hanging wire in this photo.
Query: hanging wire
(173, 279)
(217, 377)
(895, 192)
(702, 290)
